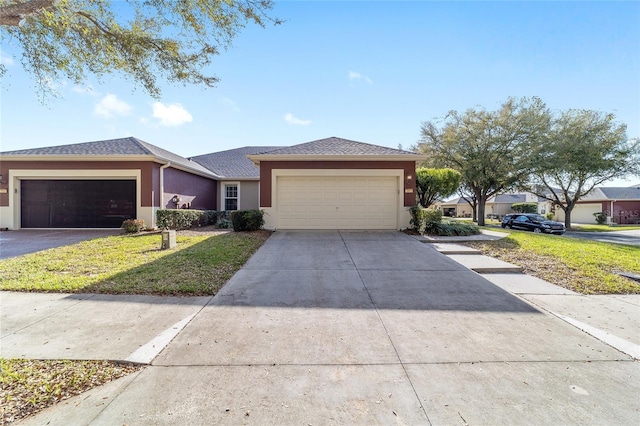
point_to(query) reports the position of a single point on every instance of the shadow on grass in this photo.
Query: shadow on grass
(198, 270)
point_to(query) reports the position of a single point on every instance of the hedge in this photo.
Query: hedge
(184, 219)
(247, 220)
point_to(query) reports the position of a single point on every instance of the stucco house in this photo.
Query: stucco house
(620, 204)
(331, 183)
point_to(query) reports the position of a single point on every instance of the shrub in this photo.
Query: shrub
(549, 215)
(247, 220)
(601, 218)
(422, 220)
(429, 221)
(132, 226)
(184, 219)
(524, 207)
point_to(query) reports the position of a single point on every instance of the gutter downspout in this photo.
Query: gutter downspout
(164, 166)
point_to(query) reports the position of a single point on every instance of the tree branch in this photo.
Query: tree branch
(11, 15)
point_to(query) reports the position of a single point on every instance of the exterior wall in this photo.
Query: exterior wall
(196, 191)
(249, 195)
(202, 191)
(624, 212)
(408, 167)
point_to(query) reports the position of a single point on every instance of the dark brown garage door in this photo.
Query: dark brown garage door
(77, 203)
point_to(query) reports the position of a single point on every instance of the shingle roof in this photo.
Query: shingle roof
(338, 146)
(234, 162)
(614, 193)
(510, 198)
(114, 147)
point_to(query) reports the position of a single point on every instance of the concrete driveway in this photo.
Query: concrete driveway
(630, 238)
(17, 243)
(367, 328)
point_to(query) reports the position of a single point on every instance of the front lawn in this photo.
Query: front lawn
(588, 267)
(603, 228)
(134, 264)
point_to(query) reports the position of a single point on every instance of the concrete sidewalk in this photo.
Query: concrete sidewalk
(369, 328)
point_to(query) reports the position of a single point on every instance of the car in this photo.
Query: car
(532, 222)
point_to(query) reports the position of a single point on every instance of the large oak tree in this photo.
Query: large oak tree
(142, 40)
(490, 149)
(582, 150)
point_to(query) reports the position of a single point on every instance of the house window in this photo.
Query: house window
(231, 196)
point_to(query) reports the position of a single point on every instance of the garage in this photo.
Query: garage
(76, 203)
(582, 213)
(337, 202)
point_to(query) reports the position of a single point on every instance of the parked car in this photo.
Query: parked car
(532, 222)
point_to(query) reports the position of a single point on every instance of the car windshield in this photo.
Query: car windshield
(538, 217)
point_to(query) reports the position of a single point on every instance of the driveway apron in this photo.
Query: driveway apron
(374, 328)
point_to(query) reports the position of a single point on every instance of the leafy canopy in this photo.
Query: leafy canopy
(490, 149)
(434, 184)
(142, 40)
(582, 150)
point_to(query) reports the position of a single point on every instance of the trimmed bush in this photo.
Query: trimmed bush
(429, 221)
(524, 207)
(424, 219)
(549, 216)
(601, 218)
(247, 220)
(131, 226)
(178, 219)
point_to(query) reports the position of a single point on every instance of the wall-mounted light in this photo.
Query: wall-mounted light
(176, 200)
(409, 177)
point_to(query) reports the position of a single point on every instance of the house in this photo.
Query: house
(620, 204)
(457, 207)
(238, 184)
(98, 184)
(331, 183)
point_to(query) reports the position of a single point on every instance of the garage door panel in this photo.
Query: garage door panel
(342, 202)
(76, 203)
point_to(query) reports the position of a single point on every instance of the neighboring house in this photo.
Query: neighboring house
(239, 183)
(457, 207)
(327, 184)
(98, 184)
(620, 204)
(500, 205)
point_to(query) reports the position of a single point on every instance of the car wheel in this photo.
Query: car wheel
(508, 226)
(537, 230)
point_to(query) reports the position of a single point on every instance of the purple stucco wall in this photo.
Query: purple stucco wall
(196, 191)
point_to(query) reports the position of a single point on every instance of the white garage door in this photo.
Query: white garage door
(337, 202)
(582, 213)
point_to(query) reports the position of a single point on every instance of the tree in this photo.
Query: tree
(434, 184)
(583, 150)
(144, 40)
(490, 149)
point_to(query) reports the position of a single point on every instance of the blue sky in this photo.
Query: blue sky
(368, 71)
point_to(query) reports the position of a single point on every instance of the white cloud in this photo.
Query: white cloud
(289, 118)
(6, 60)
(353, 75)
(230, 103)
(85, 90)
(171, 115)
(110, 106)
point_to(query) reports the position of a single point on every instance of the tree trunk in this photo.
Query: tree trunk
(481, 207)
(474, 212)
(567, 217)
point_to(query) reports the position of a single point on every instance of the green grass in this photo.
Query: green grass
(589, 267)
(604, 228)
(133, 264)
